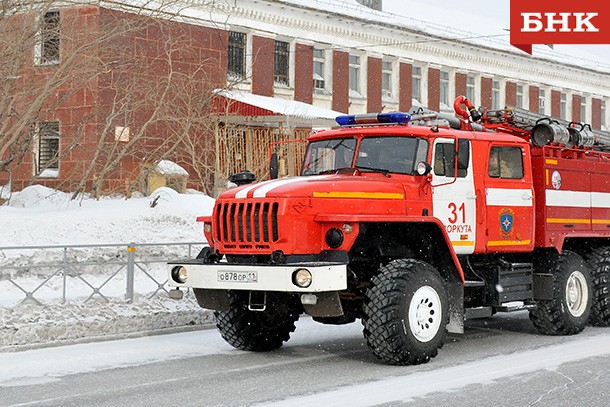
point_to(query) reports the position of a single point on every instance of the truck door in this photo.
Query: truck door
(453, 196)
(509, 199)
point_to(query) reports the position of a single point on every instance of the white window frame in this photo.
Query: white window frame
(471, 88)
(387, 75)
(496, 94)
(319, 78)
(44, 170)
(584, 112)
(444, 88)
(355, 68)
(42, 41)
(419, 76)
(289, 59)
(233, 76)
(520, 95)
(542, 101)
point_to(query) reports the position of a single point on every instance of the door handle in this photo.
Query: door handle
(527, 197)
(471, 197)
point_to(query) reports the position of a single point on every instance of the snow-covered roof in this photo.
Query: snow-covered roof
(290, 108)
(480, 22)
(167, 167)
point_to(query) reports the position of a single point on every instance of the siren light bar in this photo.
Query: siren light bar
(373, 118)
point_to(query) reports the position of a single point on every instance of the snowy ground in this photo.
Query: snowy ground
(38, 216)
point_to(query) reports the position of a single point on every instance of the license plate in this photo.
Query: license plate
(237, 276)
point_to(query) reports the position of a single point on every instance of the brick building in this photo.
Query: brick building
(335, 55)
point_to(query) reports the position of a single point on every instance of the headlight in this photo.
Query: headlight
(334, 238)
(179, 274)
(302, 278)
(207, 227)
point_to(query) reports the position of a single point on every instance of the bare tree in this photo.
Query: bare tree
(135, 84)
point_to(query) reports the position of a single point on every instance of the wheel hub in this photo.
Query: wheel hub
(425, 314)
(577, 294)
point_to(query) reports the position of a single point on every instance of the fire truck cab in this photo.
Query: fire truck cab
(413, 223)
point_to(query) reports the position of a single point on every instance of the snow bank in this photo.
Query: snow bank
(42, 216)
(39, 216)
(30, 325)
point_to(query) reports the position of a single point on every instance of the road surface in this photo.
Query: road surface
(501, 362)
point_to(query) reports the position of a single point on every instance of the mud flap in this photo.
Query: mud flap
(327, 305)
(455, 295)
(217, 300)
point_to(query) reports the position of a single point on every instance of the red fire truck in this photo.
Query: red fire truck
(413, 223)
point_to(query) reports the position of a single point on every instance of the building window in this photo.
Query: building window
(354, 73)
(520, 98)
(47, 46)
(470, 88)
(386, 79)
(495, 94)
(563, 106)
(281, 64)
(583, 109)
(542, 101)
(444, 88)
(416, 85)
(236, 58)
(318, 69)
(603, 114)
(46, 136)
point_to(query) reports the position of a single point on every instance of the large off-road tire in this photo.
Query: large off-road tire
(567, 313)
(405, 313)
(258, 331)
(599, 264)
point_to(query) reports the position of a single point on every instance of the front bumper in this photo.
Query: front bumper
(260, 277)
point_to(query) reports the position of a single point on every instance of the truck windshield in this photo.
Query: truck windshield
(392, 154)
(379, 153)
(329, 155)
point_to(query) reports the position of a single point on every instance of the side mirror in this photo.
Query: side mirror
(463, 154)
(274, 167)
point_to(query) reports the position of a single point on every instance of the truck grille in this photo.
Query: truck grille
(247, 222)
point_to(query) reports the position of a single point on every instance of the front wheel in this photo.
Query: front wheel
(258, 331)
(405, 313)
(568, 311)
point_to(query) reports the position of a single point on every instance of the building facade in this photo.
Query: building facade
(350, 60)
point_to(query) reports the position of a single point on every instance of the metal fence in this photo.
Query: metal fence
(80, 273)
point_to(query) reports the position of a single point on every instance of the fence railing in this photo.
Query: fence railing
(45, 274)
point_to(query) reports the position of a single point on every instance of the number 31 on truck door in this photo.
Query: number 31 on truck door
(453, 198)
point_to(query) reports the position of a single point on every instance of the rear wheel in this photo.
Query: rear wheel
(599, 264)
(405, 313)
(567, 313)
(258, 331)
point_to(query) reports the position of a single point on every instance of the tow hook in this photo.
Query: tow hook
(257, 301)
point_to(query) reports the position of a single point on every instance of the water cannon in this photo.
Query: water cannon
(472, 113)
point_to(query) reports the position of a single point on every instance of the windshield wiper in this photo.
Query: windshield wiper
(379, 170)
(335, 170)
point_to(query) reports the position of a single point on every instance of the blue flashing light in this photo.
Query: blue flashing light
(373, 118)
